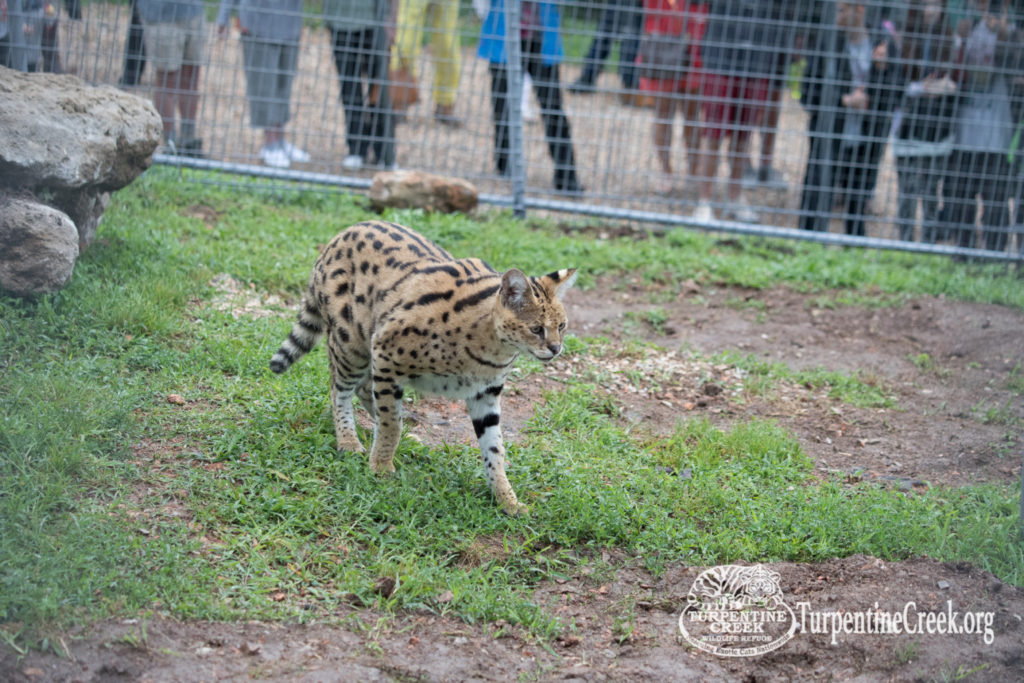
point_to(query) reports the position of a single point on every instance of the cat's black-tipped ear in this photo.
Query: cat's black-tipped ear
(515, 289)
(560, 281)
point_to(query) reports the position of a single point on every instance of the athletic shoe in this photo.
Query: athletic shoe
(294, 153)
(353, 162)
(275, 157)
(742, 213)
(703, 213)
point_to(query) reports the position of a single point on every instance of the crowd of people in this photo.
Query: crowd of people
(938, 80)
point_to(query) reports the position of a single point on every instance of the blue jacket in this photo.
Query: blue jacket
(492, 34)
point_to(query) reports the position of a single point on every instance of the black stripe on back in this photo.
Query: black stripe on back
(476, 298)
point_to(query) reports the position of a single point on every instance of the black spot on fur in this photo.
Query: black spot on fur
(480, 425)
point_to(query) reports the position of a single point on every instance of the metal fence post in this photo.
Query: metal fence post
(513, 102)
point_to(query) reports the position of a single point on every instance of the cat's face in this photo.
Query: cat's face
(530, 315)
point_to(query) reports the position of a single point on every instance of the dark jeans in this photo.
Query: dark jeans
(987, 174)
(556, 124)
(362, 75)
(134, 50)
(918, 179)
(622, 20)
(851, 169)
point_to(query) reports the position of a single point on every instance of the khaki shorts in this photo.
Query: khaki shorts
(171, 44)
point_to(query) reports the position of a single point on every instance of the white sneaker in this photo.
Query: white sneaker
(275, 157)
(703, 213)
(353, 162)
(295, 153)
(664, 184)
(742, 213)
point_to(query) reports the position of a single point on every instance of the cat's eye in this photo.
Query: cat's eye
(538, 330)
(561, 327)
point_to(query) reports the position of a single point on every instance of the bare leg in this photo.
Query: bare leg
(188, 99)
(664, 113)
(165, 98)
(691, 130)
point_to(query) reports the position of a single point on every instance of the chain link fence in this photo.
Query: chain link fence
(892, 125)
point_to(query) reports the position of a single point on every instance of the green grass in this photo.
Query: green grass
(114, 501)
(857, 389)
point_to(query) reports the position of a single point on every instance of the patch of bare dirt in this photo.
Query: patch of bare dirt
(624, 626)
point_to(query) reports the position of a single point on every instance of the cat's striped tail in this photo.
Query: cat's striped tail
(304, 335)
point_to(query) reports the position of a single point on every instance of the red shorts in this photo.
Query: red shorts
(732, 104)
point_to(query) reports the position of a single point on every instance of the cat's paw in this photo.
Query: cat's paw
(384, 468)
(350, 446)
(515, 509)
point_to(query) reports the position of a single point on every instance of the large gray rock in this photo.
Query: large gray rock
(38, 247)
(70, 144)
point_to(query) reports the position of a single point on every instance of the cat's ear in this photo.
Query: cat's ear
(515, 289)
(560, 281)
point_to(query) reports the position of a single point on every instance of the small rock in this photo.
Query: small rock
(943, 584)
(569, 640)
(384, 586)
(445, 597)
(175, 399)
(461, 640)
(711, 389)
(250, 648)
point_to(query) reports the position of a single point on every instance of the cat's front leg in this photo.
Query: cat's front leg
(485, 412)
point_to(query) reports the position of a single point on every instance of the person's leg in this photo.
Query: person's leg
(933, 169)
(773, 110)
(447, 56)
(165, 43)
(379, 126)
(165, 98)
(858, 185)
(188, 100)
(631, 24)
(909, 189)
(134, 50)
(556, 124)
(691, 129)
(717, 110)
(960, 188)
(499, 110)
(816, 196)
(749, 96)
(193, 52)
(347, 60)
(664, 113)
(599, 49)
(50, 44)
(409, 33)
(995, 196)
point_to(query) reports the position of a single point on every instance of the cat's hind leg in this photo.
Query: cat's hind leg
(346, 374)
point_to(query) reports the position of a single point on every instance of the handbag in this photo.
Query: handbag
(405, 91)
(664, 57)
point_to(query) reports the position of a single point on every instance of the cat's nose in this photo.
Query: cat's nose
(554, 349)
